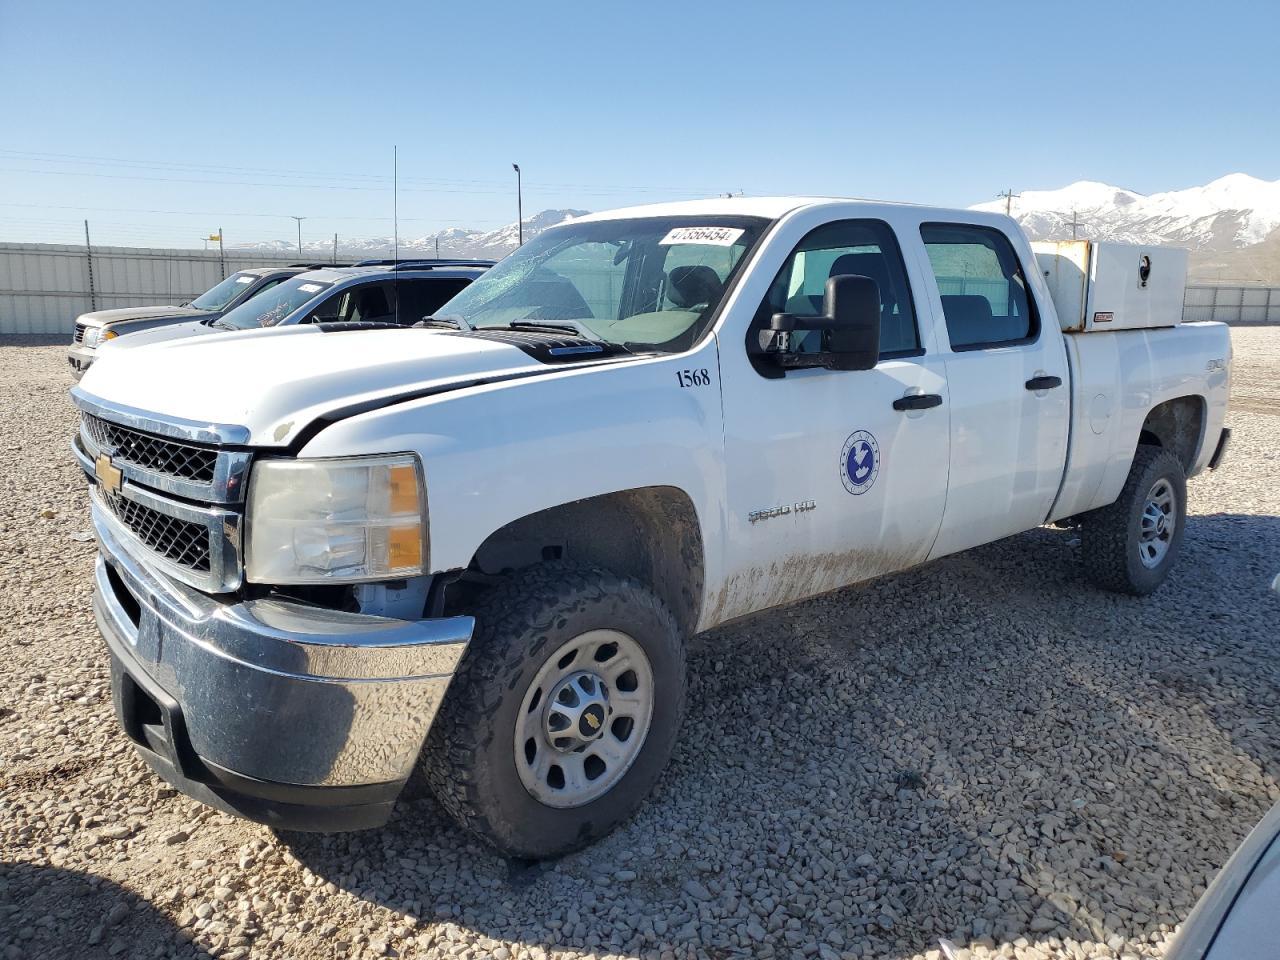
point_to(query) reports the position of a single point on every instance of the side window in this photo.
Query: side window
(422, 297)
(327, 311)
(865, 248)
(368, 301)
(984, 292)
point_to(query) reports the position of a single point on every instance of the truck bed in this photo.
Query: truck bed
(1117, 377)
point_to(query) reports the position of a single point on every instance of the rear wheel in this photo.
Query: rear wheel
(1130, 546)
(564, 712)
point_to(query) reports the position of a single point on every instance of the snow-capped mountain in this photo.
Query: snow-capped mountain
(1232, 212)
(454, 242)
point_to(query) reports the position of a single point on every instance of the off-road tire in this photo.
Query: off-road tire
(469, 755)
(1109, 536)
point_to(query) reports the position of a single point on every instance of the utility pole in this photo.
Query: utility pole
(1009, 196)
(1074, 223)
(335, 248)
(519, 205)
(437, 247)
(299, 219)
(88, 259)
(222, 256)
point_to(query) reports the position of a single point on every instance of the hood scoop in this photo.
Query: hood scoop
(547, 347)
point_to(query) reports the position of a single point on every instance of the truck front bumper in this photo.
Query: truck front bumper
(299, 717)
(80, 358)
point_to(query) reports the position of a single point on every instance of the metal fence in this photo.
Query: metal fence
(1240, 305)
(45, 286)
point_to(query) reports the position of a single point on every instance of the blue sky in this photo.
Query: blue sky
(161, 121)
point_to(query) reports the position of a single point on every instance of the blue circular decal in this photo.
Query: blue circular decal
(859, 462)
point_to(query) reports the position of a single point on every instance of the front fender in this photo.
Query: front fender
(493, 454)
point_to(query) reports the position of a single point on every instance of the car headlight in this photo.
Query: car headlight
(91, 336)
(335, 521)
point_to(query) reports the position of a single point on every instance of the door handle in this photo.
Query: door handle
(918, 401)
(1044, 383)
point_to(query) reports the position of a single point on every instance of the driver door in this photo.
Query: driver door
(828, 483)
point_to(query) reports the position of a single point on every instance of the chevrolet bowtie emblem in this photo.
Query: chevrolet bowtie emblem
(108, 474)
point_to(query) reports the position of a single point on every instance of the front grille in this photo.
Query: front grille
(179, 541)
(160, 454)
(79, 335)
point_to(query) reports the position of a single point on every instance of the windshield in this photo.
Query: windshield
(268, 309)
(216, 298)
(651, 283)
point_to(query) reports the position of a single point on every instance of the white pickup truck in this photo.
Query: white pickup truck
(483, 542)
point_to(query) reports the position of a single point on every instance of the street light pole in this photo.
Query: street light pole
(299, 219)
(519, 205)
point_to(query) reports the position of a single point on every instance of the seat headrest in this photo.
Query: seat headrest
(861, 265)
(372, 302)
(691, 285)
(968, 318)
(966, 307)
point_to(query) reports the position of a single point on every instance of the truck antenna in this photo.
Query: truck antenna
(395, 224)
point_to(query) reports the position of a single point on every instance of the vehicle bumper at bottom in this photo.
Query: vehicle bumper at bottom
(297, 717)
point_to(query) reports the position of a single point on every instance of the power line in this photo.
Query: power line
(317, 175)
(224, 213)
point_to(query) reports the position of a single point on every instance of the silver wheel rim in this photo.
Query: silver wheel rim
(1158, 523)
(584, 718)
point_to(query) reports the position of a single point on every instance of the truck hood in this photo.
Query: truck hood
(99, 317)
(274, 383)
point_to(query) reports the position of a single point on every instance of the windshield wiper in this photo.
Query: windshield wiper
(563, 326)
(451, 321)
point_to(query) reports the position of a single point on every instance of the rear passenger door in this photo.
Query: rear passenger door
(1009, 384)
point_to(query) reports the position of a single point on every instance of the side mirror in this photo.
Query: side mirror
(850, 327)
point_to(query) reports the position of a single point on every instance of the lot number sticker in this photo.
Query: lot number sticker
(709, 236)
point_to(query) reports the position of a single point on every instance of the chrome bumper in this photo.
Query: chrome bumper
(268, 698)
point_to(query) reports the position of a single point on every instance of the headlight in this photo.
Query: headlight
(91, 336)
(335, 521)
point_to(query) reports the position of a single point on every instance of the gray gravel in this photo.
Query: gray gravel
(984, 749)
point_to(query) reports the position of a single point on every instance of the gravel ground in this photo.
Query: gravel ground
(984, 749)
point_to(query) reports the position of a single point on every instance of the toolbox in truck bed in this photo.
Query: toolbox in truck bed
(1098, 285)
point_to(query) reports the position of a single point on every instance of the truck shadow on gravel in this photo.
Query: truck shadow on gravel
(50, 914)
(985, 748)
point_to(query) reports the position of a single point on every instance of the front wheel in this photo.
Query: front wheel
(564, 712)
(1130, 546)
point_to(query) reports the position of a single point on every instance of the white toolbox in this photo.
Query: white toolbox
(1098, 285)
